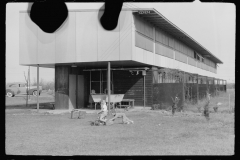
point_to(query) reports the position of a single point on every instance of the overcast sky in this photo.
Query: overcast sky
(213, 25)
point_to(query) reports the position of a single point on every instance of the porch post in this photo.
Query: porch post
(183, 89)
(197, 90)
(144, 101)
(37, 87)
(108, 84)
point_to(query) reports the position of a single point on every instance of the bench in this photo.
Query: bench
(81, 114)
(127, 106)
(53, 105)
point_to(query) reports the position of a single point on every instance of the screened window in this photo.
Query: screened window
(99, 81)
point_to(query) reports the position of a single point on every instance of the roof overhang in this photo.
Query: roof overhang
(90, 65)
(153, 16)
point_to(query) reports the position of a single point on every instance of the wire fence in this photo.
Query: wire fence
(221, 101)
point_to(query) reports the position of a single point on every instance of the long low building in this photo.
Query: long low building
(151, 59)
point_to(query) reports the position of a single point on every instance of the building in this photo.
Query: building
(151, 59)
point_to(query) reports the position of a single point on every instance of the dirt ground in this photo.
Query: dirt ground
(153, 133)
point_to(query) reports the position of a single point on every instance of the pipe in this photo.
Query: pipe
(145, 68)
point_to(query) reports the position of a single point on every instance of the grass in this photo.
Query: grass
(154, 132)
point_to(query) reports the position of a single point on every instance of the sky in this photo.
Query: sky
(213, 25)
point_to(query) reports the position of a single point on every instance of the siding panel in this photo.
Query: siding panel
(46, 47)
(86, 36)
(27, 40)
(143, 42)
(161, 36)
(148, 30)
(139, 40)
(66, 40)
(180, 57)
(108, 43)
(163, 50)
(125, 35)
(191, 61)
(149, 45)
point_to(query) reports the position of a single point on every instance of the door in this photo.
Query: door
(80, 91)
(72, 91)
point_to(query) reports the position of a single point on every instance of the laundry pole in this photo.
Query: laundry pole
(37, 87)
(108, 84)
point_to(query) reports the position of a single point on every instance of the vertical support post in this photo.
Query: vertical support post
(37, 87)
(100, 81)
(112, 84)
(144, 100)
(154, 43)
(214, 87)
(28, 85)
(108, 84)
(197, 90)
(77, 87)
(183, 89)
(229, 104)
(90, 81)
(206, 83)
(28, 82)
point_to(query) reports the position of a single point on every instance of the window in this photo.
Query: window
(99, 81)
(195, 55)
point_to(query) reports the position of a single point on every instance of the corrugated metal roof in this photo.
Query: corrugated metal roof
(158, 20)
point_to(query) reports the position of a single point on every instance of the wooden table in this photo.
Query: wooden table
(129, 101)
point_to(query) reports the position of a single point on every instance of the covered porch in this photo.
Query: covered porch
(76, 82)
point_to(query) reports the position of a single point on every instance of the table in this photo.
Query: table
(96, 98)
(129, 101)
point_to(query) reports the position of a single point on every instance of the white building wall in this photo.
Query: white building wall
(81, 38)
